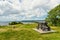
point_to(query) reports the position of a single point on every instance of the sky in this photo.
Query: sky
(17, 10)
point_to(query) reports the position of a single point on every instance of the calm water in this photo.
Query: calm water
(25, 22)
(7, 23)
(4, 23)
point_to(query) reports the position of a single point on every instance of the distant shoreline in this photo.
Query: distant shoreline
(25, 21)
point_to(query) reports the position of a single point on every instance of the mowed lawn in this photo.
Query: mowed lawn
(26, 32)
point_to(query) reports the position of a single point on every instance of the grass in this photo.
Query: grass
(25, 32)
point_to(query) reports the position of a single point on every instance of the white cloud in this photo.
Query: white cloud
(26, 9)
(53, 3)
(1, 12)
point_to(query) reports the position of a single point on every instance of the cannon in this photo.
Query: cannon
(43, 26)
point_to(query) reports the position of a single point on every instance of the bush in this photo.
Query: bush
(14, 23)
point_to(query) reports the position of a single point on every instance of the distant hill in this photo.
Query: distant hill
(24, 21)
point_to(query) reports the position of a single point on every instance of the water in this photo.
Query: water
(7, 23)
(4, 23)
(25, 22)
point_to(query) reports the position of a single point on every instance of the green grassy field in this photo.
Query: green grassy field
(25, 32)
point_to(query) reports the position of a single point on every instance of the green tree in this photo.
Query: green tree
(54, 16)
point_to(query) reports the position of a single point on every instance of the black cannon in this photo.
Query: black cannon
(43, 26)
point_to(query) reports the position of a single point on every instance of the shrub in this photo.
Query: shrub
(13, 23)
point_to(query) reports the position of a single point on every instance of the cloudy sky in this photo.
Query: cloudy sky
(15, 10)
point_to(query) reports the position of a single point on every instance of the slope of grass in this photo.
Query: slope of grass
(25, 32)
